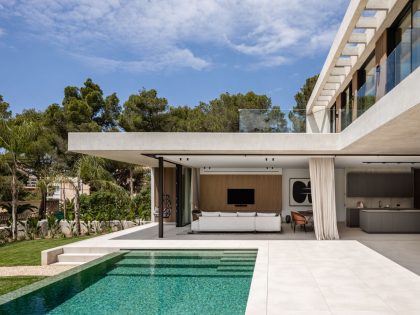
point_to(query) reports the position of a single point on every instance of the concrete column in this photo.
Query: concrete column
(160, 189)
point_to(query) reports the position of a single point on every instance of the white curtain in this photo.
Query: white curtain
(323, 198)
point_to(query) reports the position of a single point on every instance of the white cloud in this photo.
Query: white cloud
(173, 59)
(157, 35)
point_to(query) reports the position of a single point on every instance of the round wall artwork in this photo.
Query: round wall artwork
(300, 192)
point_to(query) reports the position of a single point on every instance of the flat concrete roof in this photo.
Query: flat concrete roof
(390, 127)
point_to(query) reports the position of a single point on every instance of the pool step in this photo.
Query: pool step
(78, 258)
(80, 250)
(68, 263)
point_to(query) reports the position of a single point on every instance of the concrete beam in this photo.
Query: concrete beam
(351, 51)
(354, 11)
(321, 103)
(378, 5)
(331, 86)
(343, 62)
(358, 38)
(335, 79)
(328, 92)
(367, 22)
(324, 98)
(339, 71)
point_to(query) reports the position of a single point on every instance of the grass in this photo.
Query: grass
(28, 253)
(8, 284)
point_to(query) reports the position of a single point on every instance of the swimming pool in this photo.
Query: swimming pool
(144, 282)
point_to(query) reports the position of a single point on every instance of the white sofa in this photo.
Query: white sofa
(239, 222)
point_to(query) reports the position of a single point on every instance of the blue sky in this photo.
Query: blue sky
(189, 51)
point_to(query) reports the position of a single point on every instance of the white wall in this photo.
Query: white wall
(287, 174)
(304, 173)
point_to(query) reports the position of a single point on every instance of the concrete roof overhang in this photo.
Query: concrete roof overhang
(390, 127)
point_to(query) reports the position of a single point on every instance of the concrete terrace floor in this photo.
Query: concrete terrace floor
(404, 249)
(295, 276)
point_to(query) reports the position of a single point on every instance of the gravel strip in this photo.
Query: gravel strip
(49, 270)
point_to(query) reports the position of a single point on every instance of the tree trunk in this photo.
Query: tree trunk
(14, 203)
(77, 206)
(131, 184)
(63, 187)
(43, 207)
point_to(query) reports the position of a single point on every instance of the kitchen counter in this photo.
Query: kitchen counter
(389, 208)
(390, 220)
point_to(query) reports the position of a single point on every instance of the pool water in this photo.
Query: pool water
(149, 282)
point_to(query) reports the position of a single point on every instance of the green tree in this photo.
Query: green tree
(186, 119)
(89, 170)
(298, 114)
(5, 112)
(222, 114)
(41, 154)
(15, 140)
(86, 109)
(144, 111)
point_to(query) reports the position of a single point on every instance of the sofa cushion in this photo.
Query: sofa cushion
(266, 214)
(246, 214)
(228, 214)
(210, 214)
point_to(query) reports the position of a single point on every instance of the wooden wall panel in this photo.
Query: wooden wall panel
(169, 188)
(338, 113)
(381, 48)
(268, 192)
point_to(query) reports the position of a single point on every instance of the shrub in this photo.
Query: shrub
(142, 203)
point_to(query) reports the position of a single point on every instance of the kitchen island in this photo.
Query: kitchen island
(390, 220)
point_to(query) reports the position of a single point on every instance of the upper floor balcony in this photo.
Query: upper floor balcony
(401, 62)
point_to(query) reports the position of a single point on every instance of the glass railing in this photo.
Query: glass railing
(402, 61)
(398, 65)
(272, 120)
(348, 116)
(366, 95)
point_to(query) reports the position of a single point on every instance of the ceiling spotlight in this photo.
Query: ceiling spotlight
(188, 159)
(180, 159)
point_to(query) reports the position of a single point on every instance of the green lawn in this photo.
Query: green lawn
(28, 253)
(8, 284)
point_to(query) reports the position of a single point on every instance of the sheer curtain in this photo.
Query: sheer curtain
(323, 198)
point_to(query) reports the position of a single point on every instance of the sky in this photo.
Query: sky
(189, 51)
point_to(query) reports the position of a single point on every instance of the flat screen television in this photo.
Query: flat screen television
(240, 196)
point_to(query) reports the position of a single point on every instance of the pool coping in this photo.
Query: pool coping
(8, 297)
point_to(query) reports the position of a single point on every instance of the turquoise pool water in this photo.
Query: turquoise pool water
(149, 282)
